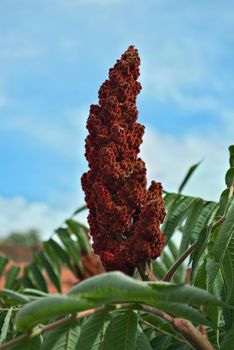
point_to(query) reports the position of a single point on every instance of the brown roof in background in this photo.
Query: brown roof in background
(21, 256)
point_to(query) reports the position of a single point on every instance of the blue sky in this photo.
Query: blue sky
(54, 56)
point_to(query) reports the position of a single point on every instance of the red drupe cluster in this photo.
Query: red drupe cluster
(124, 216)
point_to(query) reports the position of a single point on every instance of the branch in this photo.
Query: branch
(173, 269)
(184, 327)
(146, 273)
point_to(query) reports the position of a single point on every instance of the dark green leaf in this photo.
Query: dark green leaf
(92, 332)
(142, 342)
(188, 175)
(50, 271)
(38, 277)
(121, 332)
(3, 262)
(64, 337)
(80, 209)
(11, 276)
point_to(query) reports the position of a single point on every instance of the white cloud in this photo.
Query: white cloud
(168, 159)
(17, 214)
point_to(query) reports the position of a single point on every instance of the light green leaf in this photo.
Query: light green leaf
(6, 325)
(46, 308)
(117, 287)
(73, 248)
(15, 296)
(81, 235)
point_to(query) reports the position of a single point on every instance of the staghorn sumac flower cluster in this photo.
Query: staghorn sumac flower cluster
(124, 216)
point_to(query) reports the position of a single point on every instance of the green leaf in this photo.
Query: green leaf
(117, 287)
(158, 269)
(187, 312)
(167, 260)
(161, 342)
(3, 262)
(199, 250)
(122, 331)
(38, 277)
(28, 344)
(223, 203)
(62, 254)
(188, 175)
(228, 340)
(52, 257)
(80, 209)
(191, 220)
(6, 325)
(201, 276)
(81, 235)
(142, 342)
(111, 286)
(73, 248)
(223, 239)
(15, 296)
(231, 152)
(55, 279)
(64, 337)
(92, 332)
(173, 249)
(229, 178)
(46, 308)
(176, 214)
(11, 276)
(169, 198)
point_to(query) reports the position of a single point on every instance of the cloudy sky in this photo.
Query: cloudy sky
(54, 54)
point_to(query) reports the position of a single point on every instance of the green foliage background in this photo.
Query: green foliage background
(114, 311)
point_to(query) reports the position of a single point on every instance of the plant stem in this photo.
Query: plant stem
(162, 331)
(146, 273)
(173, 269)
